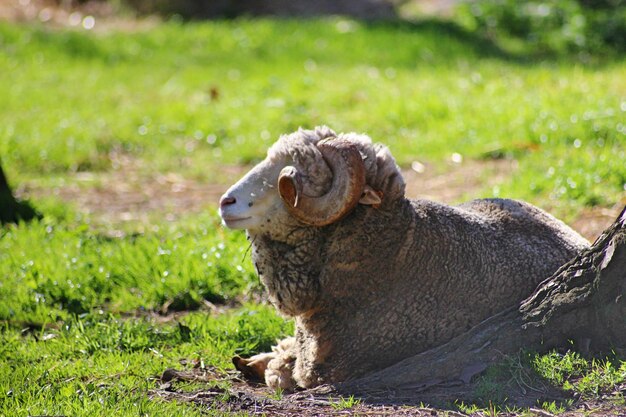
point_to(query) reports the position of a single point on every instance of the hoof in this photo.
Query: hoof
(252, 369)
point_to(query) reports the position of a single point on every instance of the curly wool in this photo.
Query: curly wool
(386, 283)
(381, 171)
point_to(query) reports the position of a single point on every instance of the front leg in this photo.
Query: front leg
(275, 367)
(279, 372)
(253, 368)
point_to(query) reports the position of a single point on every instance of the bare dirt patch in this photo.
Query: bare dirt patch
(129, 194)
(592, 221)
(98, 16)
(258, 399)
(456, 182)
(228, 393)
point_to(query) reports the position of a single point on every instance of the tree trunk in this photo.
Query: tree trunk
(11, 210)
(582, 302)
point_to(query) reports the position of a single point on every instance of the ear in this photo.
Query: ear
(371, 197)
(290, 185)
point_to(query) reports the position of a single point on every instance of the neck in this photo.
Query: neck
(289, 266)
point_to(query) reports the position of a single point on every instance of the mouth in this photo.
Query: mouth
(229, 221)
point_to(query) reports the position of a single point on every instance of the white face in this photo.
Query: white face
(253, 202)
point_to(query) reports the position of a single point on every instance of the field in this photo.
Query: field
(124, 139)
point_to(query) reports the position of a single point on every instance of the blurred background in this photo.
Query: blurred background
(148, 98)
(123, 121)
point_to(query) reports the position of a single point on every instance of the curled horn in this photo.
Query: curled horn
(348, 170)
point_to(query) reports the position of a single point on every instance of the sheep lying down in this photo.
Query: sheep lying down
(369, 276)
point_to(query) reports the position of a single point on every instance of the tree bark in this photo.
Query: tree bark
(11, 210)
(582, 302)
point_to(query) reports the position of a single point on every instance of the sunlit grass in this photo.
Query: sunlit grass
(190, 97)
(97, 362)
(345, 403)
(589, 378)
(80, 314)
(73, 271)
(79, 308)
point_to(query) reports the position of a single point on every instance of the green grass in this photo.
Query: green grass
(426, 89)
(588, 378)
(78, 308)
(96, 362)
(74, 270)
(567, 376)
(345, 403)
(78, 328)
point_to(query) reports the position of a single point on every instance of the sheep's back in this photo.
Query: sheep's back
(495, 252)
(522, 226)
(413, 280)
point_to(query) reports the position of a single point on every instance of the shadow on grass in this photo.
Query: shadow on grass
(486, 395)
(474, 44)
(498, 389)
(391, 42)
(11, 209)
(15, 211)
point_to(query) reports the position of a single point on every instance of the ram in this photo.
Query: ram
(369, 276)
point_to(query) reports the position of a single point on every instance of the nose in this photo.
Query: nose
(227, 200)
